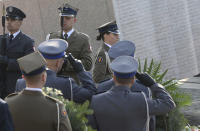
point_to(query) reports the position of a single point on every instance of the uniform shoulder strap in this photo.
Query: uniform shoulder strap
(13, 94)
(51, 98)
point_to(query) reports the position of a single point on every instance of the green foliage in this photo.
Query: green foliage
(174, 120)
(76, 112)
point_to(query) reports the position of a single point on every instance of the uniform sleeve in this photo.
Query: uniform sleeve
(99, 71)
(86, 55)
(163, 102)
(65, 124)
(12, 63)
(6, 123)
(85, 90)
(91, 118)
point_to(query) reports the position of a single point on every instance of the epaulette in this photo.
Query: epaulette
(13, 94)
(54, 34)
(83, 35)
(51, 98)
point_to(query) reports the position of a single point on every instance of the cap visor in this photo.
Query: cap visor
(69, 15)
(115, 32)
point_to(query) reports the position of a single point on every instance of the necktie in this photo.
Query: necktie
(11, 37)
(65, 36)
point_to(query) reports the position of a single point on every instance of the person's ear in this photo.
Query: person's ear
(133, 80)
(57, 63)
(44, 76)
(114, 78)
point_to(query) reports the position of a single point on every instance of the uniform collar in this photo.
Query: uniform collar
(33, 89)
(121, 88)
(106, 47)
(50, 72)
(107, 44)
(15, 34)
(69, 33)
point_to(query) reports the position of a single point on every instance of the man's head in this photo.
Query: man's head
(33, 69)
(109, 33)
(124, 68)
(122, 48)
(68, 16)
(14, 18)
(54, 52)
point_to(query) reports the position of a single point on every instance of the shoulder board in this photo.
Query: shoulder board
(55, 34)
(83, 35)
(51, 98)
(13, 94)
(58, 32)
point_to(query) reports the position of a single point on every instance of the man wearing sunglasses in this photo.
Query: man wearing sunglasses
(17, 45)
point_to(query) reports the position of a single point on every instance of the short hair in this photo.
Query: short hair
(34, 79)
(124, 81)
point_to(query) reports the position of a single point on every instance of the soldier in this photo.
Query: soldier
(126, 48)
(18, 45)
(54, 51)
(110, 35)
(122, 48)
(31, 109)
(6, 123)
(79, 45)
(126, 110)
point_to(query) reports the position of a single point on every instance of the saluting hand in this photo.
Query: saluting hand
(145, 79)
(76, 64)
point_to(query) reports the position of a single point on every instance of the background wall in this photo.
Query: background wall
(165, 30)
(43, 17)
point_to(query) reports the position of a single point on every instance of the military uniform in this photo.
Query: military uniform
(6, 123)
(102, 71)
(19, 46)
(79, 45)
(35, 111)
(126, 48)
(126, 110)
(67, 85)
(31, 109)
(54, 49)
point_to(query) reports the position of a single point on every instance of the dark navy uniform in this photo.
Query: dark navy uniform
(126, 48)
(19, 46)
(137, 86)
(54, 49)
(127, 110)
(6, 123)
(67, 85)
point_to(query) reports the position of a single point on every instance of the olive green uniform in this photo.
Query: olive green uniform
(35, 111)
(102, 71)
(80, 48)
